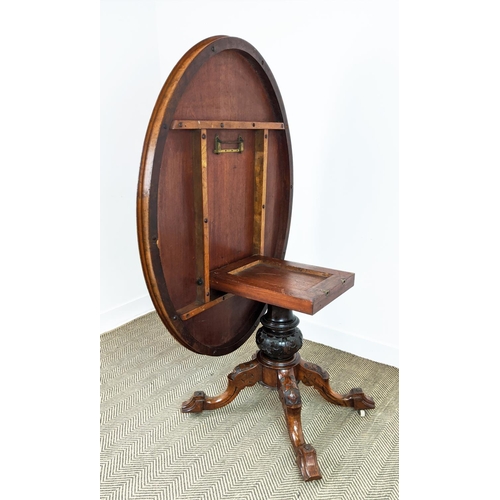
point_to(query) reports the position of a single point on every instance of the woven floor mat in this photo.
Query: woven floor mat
(150, 450)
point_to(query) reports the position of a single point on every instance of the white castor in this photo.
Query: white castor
(362, 413)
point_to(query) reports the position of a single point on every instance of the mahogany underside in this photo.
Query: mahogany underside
(196, 209)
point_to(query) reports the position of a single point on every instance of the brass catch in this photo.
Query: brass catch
(218, 146)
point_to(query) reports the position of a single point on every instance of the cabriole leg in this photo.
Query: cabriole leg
(244, 375)
(313, 375)
(305, 454)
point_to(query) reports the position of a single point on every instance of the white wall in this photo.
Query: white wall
(336, 63)
(130, 82)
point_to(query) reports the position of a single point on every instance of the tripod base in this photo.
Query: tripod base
(283, 375)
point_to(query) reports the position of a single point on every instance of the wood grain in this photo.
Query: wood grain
(221, 80)
(282, 283)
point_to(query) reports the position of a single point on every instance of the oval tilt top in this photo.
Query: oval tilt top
(215, 187)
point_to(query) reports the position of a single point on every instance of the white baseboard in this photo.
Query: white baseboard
(112, 318)
(348, 342)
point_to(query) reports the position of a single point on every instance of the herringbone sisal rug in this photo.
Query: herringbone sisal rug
(150, 450)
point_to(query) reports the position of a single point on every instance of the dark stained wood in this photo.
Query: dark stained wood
(195, 208)
(282, 283)
(279, 338)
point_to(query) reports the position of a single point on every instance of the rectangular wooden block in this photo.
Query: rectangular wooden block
(282, 283)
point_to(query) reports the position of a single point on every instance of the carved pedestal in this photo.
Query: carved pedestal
(278, 365)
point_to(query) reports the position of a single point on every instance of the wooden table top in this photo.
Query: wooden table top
(215, 187)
